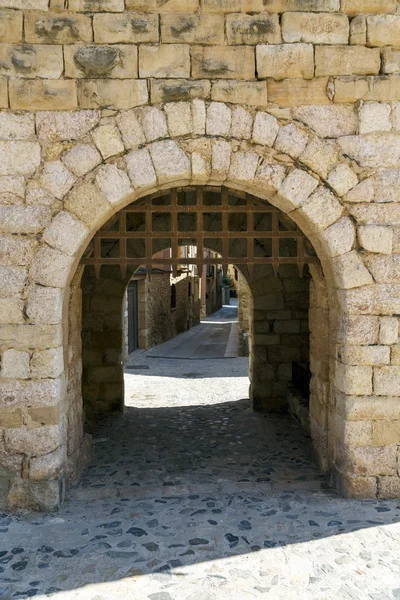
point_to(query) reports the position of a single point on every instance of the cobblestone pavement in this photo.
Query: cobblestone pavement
(192, 496)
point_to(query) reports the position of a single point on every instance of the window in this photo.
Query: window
(173, 296)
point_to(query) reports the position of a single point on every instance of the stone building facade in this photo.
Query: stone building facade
(103, 102)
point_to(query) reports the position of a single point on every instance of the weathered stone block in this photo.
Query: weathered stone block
(164, 7)
(10, 419)
(32, 336)
(297, 187)
(66, 233)
(390, 60)
(19, 158)
(125, 28)
(44, 305)
(57, 28)
(243, 166)
(140, 169)
(131, 130)
(389, 330)
(285, 61)
(170, 162)
(339, 238)
(291, 140)
(342, 179)
(47, 363)
(218, 122)
(199, 117)
(242, 123)
(59, 126)
(346, 60)
(43, 94)
(328, 121)
(116, 61)
(353, 7)
(23, 219)
(25, 4)
(220, 160)
(178, 90)
(358, 30)
(350, 271)
(376, 238)
(253, 29)
(13, 281)
(366, 460)
(374, 116)
(222, 62)
(16, 127)
(86, 202)
(10, 26)
(320, 156)
(49, 466)
(95, 93)
(179, 118)
(33, 442)
(387, 381)
(3, 93)
(321, 209)
(389, 487)
(353, 380)
(15, 365)
(362, 192)
(11, 311)
(30, 61)
(44, 415)
(81, 159)
(373, 150)
(385, 269)
(153, 122)
(108, 140)
(16, 250)
(315, 28)
(269, 179)
(265, 129)
(164, 60)
(113, 183)
(364, 355)
(200, 28)
(387, 185)
(57, 179)
(240, 92)
(96, 5)
(383, 30)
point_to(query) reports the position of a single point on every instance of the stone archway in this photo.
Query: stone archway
(94, 166)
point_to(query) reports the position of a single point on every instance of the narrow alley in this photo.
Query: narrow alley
(193, 496)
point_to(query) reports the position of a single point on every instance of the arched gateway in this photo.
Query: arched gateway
(265, 169)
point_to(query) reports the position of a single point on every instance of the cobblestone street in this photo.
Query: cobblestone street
(193, 496)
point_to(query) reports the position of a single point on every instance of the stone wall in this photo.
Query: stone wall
(104, 101)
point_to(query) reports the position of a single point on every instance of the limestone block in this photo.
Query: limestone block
(384, 88)
(32, 336)
(172, 90)
(95, 93)
(356, 330)
(140, 169)
(81, 159)
(265, 129)
(10, 419)
(350, 89)
(113, 183)
(383, 30)
(387, 381)
(362, 192)
(387, 185)
(352, 379)
(108, 140)
(59, 126)
(230, 6)
(86, 202)
(367, 460)
(43, 94)
(381, 214)
(164, 7)
(395, 354)
(339, 238)
(320, 156)
(291, 140)
(321, 209)
(116, 61)
(358, 30)
(10, 26)
(16, 126)
(57, 179)
(37, 195)
(301, 5)
(199, 117)
(285, 61)
(364, 355)
(395, 115)
(13, 281)
(375, 299)
(346, 60)
(352, 433)
(223, 62)
(33, 442)
(201, 167)
(23, 219)
(11, 311)
(220, 160)
(57, 28)
(50, 267)
(243, 166)
(390, 60)
(353, 7)
(389, 487)
(31, 61)
(373, 150)
(48, 466)
(15, 365)
(342, 179)
(350, 271)
(66, 233)
(375, 238)
(242, 123)
(19, 158)
(374, 116)
(315, 28)
(47, 363)
(254, 29)
(170, 161)
(385, 269)
(269, 177)
(45, 305)
(126, 28)
(187, 28)
(386, 433)
(179, 118)
(154, 123)
(16, 250)
(297, 187)
(239, 92)
(389, 330)
(328, 121)
(218, 120)
(131, 131)
(13, 187)
(164, 60)
(96, 5)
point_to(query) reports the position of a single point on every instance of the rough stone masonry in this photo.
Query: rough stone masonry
(294, 101)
